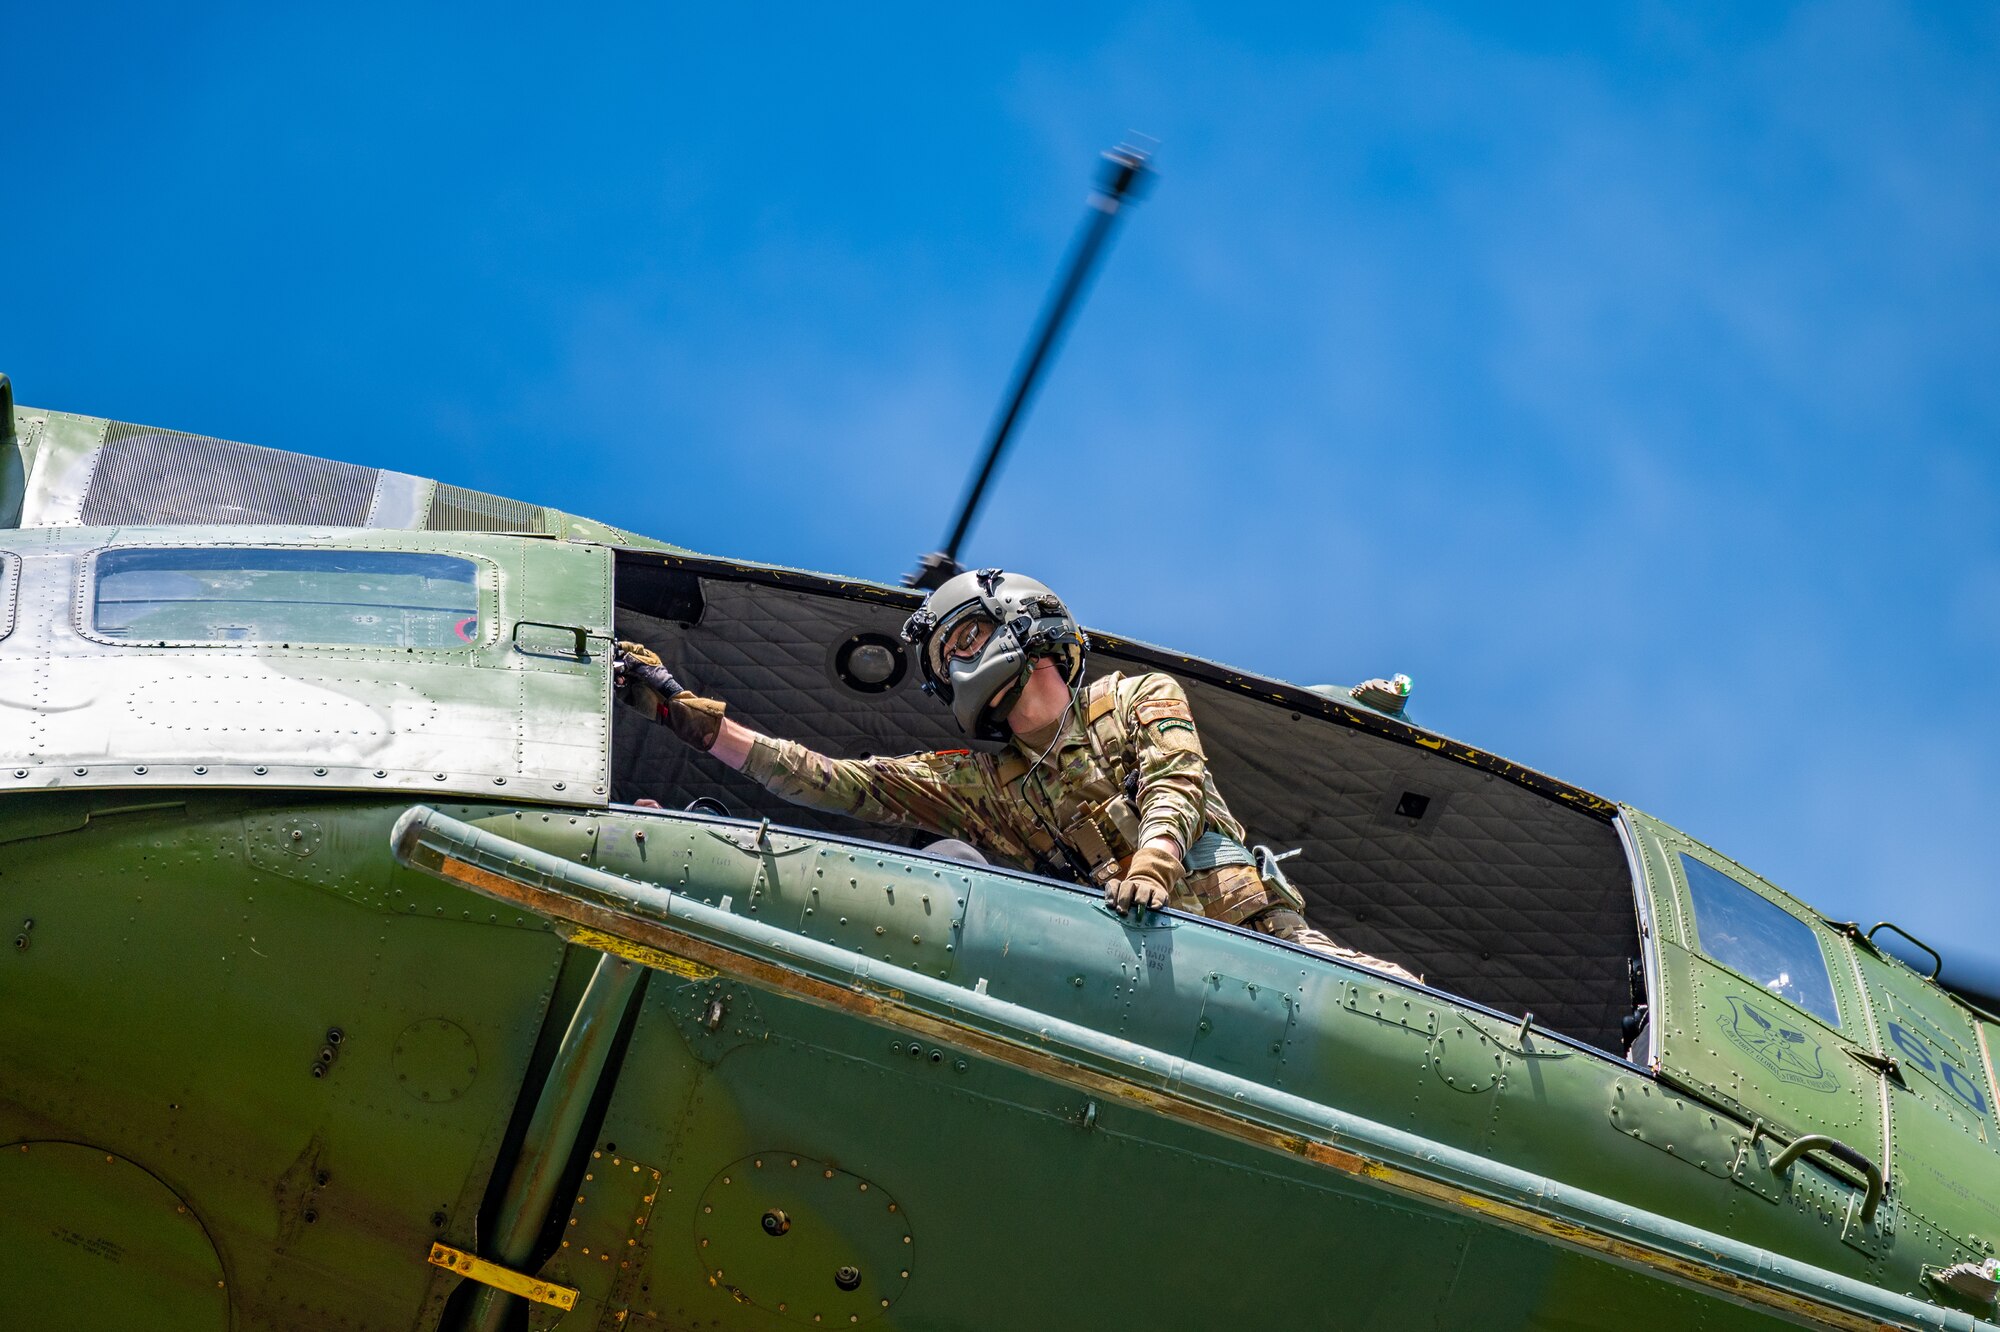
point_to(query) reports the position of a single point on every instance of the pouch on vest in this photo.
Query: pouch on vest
(1105, 835)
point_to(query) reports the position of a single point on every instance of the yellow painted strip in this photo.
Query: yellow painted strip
(452, 868)
(501, 1278)
(644, 955)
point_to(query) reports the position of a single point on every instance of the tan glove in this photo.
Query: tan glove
(652, 688)
(694, 719)
(1147, 883)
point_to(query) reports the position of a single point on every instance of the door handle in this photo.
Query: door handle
(581, 634)
(1841, 1152)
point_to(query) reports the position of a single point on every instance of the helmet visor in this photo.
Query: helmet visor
(961, 638)
(967, 639)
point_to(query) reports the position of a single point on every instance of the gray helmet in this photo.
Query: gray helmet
(980, 675)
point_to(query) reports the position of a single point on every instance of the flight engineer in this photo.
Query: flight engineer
(1106, 783)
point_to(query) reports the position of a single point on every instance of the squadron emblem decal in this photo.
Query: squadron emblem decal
(1770, 1038)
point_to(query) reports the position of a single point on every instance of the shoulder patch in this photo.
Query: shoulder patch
(1164, 709)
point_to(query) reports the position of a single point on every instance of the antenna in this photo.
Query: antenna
(1122, 179)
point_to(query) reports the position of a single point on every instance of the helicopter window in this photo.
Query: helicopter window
(1758, 939)
(248, 595)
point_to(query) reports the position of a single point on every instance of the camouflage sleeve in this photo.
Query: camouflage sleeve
(939, 792)
(1173, 796)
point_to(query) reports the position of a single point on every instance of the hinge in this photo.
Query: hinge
(1880, 1063)
(502, 1278)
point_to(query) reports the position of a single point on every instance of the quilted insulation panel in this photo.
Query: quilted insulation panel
(1493, 891)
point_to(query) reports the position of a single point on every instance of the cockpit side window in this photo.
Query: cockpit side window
(235, 594)
(1759, 940)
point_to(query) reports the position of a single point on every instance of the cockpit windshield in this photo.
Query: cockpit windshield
(277, 595)
(1760, 940)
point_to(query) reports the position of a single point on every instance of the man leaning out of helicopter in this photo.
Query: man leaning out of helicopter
(1106, 783)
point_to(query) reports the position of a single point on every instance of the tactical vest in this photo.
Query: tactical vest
(1088, 822)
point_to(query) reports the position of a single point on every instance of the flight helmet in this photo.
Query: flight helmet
(978, 637)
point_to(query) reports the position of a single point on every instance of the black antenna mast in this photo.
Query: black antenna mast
(1122, 180)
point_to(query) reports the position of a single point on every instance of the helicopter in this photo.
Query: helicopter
(351, 986)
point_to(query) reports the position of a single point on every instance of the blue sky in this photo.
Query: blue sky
(1625, 374)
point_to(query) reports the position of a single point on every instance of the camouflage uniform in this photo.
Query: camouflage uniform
(1126, 770)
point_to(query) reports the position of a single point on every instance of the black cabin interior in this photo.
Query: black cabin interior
(1496, 884)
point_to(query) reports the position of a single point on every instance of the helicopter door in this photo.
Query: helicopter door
(1759, 1010)
(450, 663)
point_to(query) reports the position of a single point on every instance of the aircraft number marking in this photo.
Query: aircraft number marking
(1928, 1058)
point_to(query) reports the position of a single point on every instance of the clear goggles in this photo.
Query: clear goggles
(962, 640)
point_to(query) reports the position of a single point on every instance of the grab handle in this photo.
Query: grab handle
(1841, 1152)
(580, 633)
(1937, 962)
